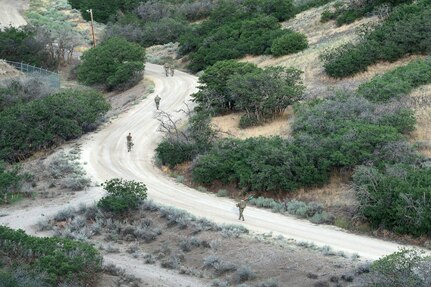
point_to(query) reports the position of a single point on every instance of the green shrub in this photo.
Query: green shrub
(22, 45)
(123, 195)
(397, 198)
(10, 181)
(406, 267)
(63, 260)
(112, 62)
(398, 82)
(172, 153)
(248, 120)
(400, 34)
(27, 128)
(288, 44)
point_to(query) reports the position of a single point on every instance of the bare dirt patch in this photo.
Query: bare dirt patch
(228, 125)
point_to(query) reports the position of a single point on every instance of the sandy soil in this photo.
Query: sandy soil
(11, 13)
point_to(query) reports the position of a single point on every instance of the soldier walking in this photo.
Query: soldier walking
(171, 68)
(166, 67)
(157, 101)
(129, 142)
(241, 206)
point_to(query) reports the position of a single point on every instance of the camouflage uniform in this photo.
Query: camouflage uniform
(157, 101)
(166, 67)
(241, 206)
(171, 68)
(129, 142)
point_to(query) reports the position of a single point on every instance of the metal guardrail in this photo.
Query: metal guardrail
(53, 79)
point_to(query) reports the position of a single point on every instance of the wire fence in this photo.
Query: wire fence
(53, 79)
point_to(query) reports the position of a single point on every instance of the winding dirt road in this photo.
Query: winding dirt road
(105, 156)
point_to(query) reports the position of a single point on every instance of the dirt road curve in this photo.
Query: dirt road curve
(10, 12)
(106, 157)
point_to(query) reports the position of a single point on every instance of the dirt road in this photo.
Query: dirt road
(105, 156)
(11, 12)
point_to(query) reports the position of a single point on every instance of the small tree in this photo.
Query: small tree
(266, 93)
(405, 268)
(112, 63)
(123, 195)
(289, 43)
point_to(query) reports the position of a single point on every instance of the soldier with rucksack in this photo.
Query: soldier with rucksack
(157, 101)
(241, 206)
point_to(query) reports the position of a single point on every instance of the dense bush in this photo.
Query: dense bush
(266, 164)
(347, 14)
(265, 93)
(397, 198)
(147, 34)
(289, 43)
(10, 181)
(22, 90)
(398, 82)
(101, 11)
(26, 128)
(400, 34)
(123, 195)
(260, 93)
(407, 268)
(23, 45)
(112, 63)
(214, 95)
(172, 152)
(62, 260)
(232, 31)
(180, 146)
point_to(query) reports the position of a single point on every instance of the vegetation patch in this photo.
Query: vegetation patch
(115, 62)
(400, 34)
(123, 195)
(56, 260)
(398, 82)
(28, 127)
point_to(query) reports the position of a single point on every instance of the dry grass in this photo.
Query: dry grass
(228, 125)
(336, 192)
(422, 133)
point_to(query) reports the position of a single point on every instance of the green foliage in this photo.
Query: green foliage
(63, 260)
(397, 82)
(233, 31)
(280, 9)
(172, 153)
(10, 181)
(306, 5)
(101, 11)
(214, 95)
(29, 127)
(397, 198)
(265, 93)
(260, 93)
(348, 14)
(265, 164)
(404, 268)
(123, 195)
(400, 34)
(113, 62)
(289, 43)
(22, 45)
